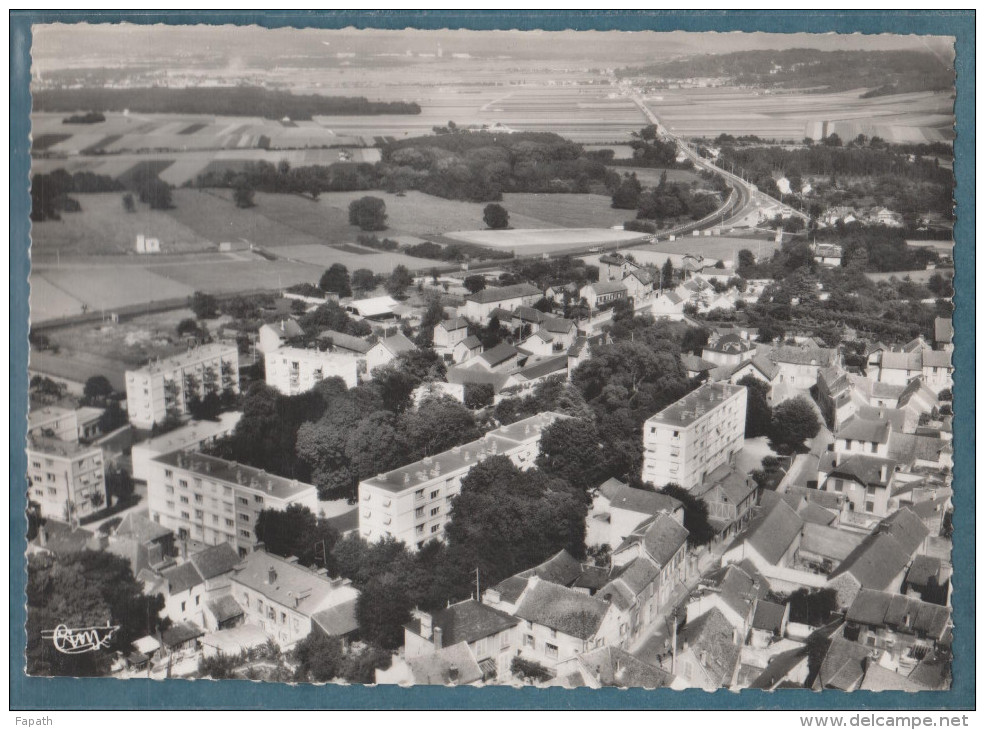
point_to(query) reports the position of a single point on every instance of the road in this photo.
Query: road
(751, 198)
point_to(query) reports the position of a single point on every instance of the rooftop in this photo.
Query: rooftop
(453, 664)
(499, 354)
(40, 416)
(563, 609)
(899, 613)
(710, 637)
(606, 287)
(771, 533)
(453, 325)
(623, 496)
(503, 293)
(397, 344)
(467, 621)
(343, 341)
(191, 433)
(499, 441)
(292, 585)
(191, 357)
(56, 447)
(860, 429)
(614, 667)
(212, 467)
(696, 404)
(215, 560)
(373, 306)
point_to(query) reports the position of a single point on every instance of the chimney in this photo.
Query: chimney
(437, 633)
(426, 625)
(271, 576)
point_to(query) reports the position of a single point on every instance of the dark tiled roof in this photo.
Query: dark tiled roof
(562, 569)
(664, 538)
(558, 325)
(772, 533)
(768, 616)
(182, 577)
(899, 613)
(225, 608)
(215, 560)
(453, 664)
(623, 496)
(614, 667)
(62, 539)
(499, 354)
(884, 552)
(337, 620)
(797, 355)
(470, 621)
(864, 469)
(843, 666)
(140, 528)
(180, 633)
(712, 634)
(346, 342)
(471, 342)
(548, 366)
(452, 325)
(859, 429)
(563, 609)
(511, 589)
(607, 287)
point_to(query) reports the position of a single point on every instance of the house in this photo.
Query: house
(798, 367)
(215, 565)
(925, 578)
(788, 666)
(193, 436)
(696, 367)
(448, 333)
(734, 590)
(65, 479)
(615, 267)
(460, 377)
(708, 653)
(944, 334)
(729, 350)
(884, 217)
(759, 367)
(288, 601)
(90, 427)
(771, 539)
(903, 626)
(860, 436)
(59, 538)
(377, 309)
(882, 558)
(343, 343)
(479, 306)
(603, 293)
(524, 380)
(769, 623)
(558, 333)
(839, 214)
(863, 483)
(412, 503)
(843, 666)
(692, 437)
(824, 547)
(618, 509)
(934, 366)
(558, 623)
(610, 666)
(647, 567)
(828, 254)
(294, 370)
(273, 336)
(639, 286)
(668, 304)
(387, 350)
(581, 349)
(503, 358)
(466, 349)
(143, 542)
(165, 387)
(453, 665)
(730, 497)
(490, 634)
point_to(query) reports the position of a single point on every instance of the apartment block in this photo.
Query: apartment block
(193, 436)
(167, 386)
(66, 479)
(55, 422)
(689, 439)
(212, 500)
(294, 370)
(413, 503)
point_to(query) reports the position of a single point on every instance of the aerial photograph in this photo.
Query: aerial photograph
(540, 359)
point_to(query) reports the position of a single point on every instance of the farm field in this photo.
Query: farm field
(354, 257)
(564, 210)
(650, 176)
(711, 247)
(915, 117)
(103, 227)
(107, 287)
(534, 241)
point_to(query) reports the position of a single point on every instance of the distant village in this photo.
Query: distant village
(827, 567)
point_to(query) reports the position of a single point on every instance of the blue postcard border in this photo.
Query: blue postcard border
(52, 694)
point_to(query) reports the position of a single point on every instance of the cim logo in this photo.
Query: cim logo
(79, 641)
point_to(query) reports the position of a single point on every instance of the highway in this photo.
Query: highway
(751, 199)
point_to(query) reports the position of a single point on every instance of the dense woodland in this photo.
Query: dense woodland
(883, 72)
(247, 101)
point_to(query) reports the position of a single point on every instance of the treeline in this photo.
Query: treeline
(884, 72)
(282, 178)
(481, 166)
(87, 118)
(246, 101)
(667, 201)
(50, 192)
(650, 151)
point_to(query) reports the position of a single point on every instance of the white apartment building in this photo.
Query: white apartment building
(413, 503)
(689, 439)
(168, 385)
(212, 500)
(54, 422)
(66, 479)
(193, 436)
(294, 370)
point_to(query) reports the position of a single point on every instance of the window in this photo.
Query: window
(215, 519)
(198, 499)
(419, 494)
(184, 500)
(197, 599)
(183, 483)
(185, 516)
(244, 500)
(553, 634)
(435, 528)
(182, 605)
(260, 605)
(419, 512)
(199, 514)
(435, 511)
(229, 522)
(839, 485)
(244, 517)
(244, 533)
(528, 640)
(435, 493)
(168, 473)
(283, 617)
(875, 447)
(420, 529)
(550, 650)
(480, 647)
(870, 506)
(504, 640)
(258, 499)
(848, 444)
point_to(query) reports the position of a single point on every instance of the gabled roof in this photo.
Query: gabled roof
(181, 632)
(224, 608)
(215, 560)
(730, 344)
(471, 343)
(879, 679)
(558, 325)
(663, 538)
(906, 447)
(859, 429)
(466, 375)
(373, 306)
(902, 360)
(453, 325)
(343, 341)
(529, 314)
(562, 568)
(548, 366)
(862, 468)
(884, 552)
(285, 329)
(563, 609)
(636, 576)
(673, 296)
(843, 666)
(899, 613)
(922, 569)
(829, 542)
(642, 501)
(772, 533)
(511, 588)
(768, 616)
(738, 586)
(798, 355)
(695, 364)
(468, 621)
(453, 664)
(614, 667)
(338, 620)
(710, 637)
(606, 287)
(182, 577)
(779, 667)
(503, 293)
(943, 330)
(499, 354)
(397, 344)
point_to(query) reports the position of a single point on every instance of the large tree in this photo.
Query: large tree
(96, 389)
(759, 415)
(572, 449)
(335, 280)
(437, 425)
(399, 280)
(700, 530)
(369, 213)
(495, 216)
(319, 658)
(297, 532)
(382, 609)
(794, 421)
